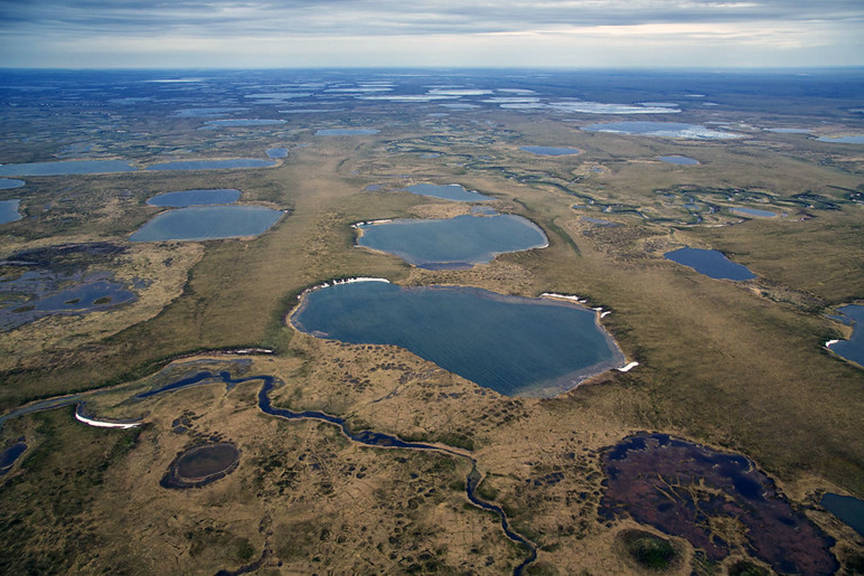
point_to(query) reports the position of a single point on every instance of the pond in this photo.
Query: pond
(754, 212)
(346, 132)
(550, 150)
(663, 130)
(852, 349)
(677, 486)
(207, 223)
(855, 139)
(185, 198)
(9, 183)
(10, 455)
(459, 242)
(277, 152)
(9, 211)
(710, 263)
(243, 122)
(201, 465)
(513, 345)
(679, 160)
(223, 164)
(66, 167)
(848, 509)
(448, 192)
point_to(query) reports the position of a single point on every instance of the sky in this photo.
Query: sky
(440, 33)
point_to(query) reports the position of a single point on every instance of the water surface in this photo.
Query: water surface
(207, 223)
(852, 349)
(9, 183)
(9, 211)
(66, 167)
(710, 263)
(856, 139)
(680, 160)
(455, 242)
(550, 150)
(10, 455)
(243, 122)
(346, 132)
(513, 345)
(277, 152)
(213, 164)
(754, 212)
(663, 130)
(848, 509)
(185, 198)
(447, 192)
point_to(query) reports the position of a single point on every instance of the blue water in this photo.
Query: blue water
(848, 509)
(789, 130)
(513, 345)
(185, 198)
(755, 212)
(710, 262)
(680, 160)
(8, 183)
(447, 192)
(277, 152)
(346, 132)
(550, 150)
(65, 167)
(9, 211)
(240, 122)
(857, 139)
(205, 223)
(662, 129)
(453, 243)
(852, 349)
(10, 455)
(213, 164)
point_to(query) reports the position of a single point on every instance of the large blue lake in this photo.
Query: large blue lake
(710, 262)
(455, 242)
(663, 130)
(185, 198)
(513, 345)
(852, 349)
(550, 150)
(64, 167)
(213, 164)
(448, 192)
(9, 211)
(848, 509)
(207, 223)
(9, 183)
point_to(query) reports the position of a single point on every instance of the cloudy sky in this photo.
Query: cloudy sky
(550, 33)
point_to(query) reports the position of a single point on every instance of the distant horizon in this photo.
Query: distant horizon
(359, 67)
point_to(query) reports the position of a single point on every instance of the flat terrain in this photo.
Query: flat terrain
(738, 366)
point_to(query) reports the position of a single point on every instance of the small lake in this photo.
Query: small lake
(550, 150)
(679, 160)
(9, 211)
(346, 132)
(207, 223)
(513, 345)
(277, 152)
(213, 164)
(710, 263)
(856, 139)
(10, 455)
(662, 130)
(242, 122)
(9, 183)
(848, 509)
(447, 192)
(185, 198)
(458, 242)
(755, 212)
(66, 167)
(852, 349)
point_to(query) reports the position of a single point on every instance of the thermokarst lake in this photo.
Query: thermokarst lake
(679, 160)
(223, 164)
(663, 130)
(852, 349)
(9, 211)
(550, 150)
(454, 192)
(183, 198)
(346, 132)
(710, 263)
(66, 167)
(207, 223)
(458, 242)
(10, 183)
(513, 345)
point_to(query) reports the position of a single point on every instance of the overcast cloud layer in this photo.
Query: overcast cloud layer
(563, 33)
